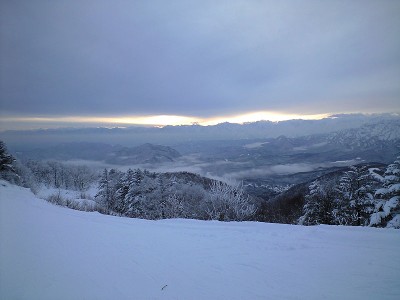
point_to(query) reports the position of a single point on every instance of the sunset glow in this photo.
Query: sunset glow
(153, 120)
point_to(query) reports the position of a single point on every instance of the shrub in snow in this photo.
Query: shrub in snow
(57, 199)
(77, 204)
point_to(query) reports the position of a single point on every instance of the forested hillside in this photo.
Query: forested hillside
(361, 195)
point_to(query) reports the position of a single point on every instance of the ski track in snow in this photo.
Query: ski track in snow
(50, 252)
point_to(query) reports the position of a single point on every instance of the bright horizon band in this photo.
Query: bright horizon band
(156, 120)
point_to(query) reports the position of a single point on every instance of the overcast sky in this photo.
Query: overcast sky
(198, 58)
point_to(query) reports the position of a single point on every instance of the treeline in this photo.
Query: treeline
(142, 194)
(51, 174)
(57, 175)
(135, 193)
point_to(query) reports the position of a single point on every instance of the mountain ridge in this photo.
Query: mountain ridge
(169, 135)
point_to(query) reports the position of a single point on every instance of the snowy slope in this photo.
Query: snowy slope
(49, 252)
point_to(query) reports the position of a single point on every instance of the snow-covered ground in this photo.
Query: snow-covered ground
(50, 252)
(44, 192)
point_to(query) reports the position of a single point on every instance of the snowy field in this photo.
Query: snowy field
(49, 252)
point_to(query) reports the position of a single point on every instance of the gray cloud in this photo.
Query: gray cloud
(198, 58)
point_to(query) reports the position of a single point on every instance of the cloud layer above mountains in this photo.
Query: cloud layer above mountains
(198, 58)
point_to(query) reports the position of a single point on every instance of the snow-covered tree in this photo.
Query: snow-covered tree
(345, 200)
(7, 170)
(141, 194)
(174, 207)
(342, 212)
(387, 210)
(126, 181)
(354, 200)
(6, 160)
(108, 185)
(318, 204)
(82, 177)
(139, 200)
(103, 196)
(363, 202)
(227, 203)
(57, 175)
(191, 196)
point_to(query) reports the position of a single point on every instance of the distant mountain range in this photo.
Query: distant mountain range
(258, 159)
(173, 135)
(144, 154)
(370, 142)
(287, 160)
